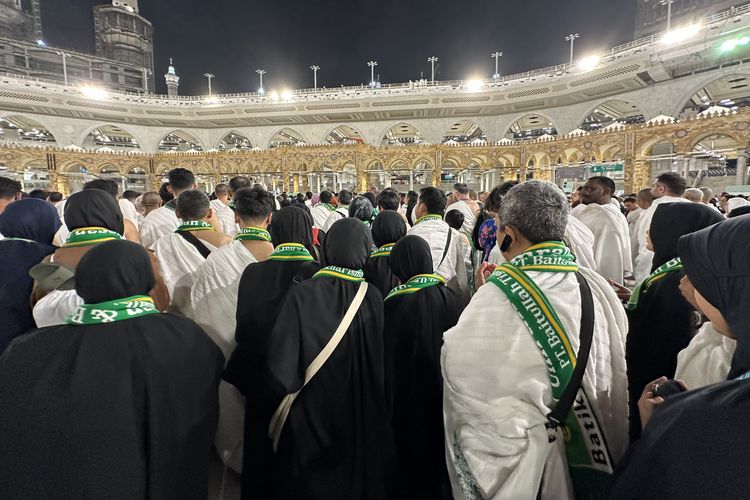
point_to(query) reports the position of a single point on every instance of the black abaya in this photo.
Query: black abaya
(414, 327)
(124, 410)
(262, 290)
(388, 228)
(337, 441)
(663, 323)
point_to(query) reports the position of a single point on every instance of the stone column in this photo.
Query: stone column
(684, 166)
(741, 178)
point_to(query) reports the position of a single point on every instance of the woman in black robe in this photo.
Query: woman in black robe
(28, 227)
(120, 403)
(662, 322)
(416, 316)
(337, 442)
(262, 290)
(697, 444)
(388, 228)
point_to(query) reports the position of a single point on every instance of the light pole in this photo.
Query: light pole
(209, 76)
(261, 72)
(433, 60)
(65, 65)
(372, 65)
(572, 39)
(496, 56)
(668, 3)
(315, 69)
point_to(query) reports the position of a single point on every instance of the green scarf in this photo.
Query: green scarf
(329, 207)
(417, 283)
(383, 251)
(673, 265)
(429, 217)
(114, 310)
(291, 252)
(86, 236)
(550, 256)
(253, 234)
(195, 225)
(341, 273)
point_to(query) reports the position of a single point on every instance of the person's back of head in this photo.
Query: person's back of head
(181, 179)
(644, 198)
(372, 197)
(693, 194)
(455, 219)
(221, 191)
(164, 193)
(433, 201)
(10, 189)
(708, 193)
(326, 197)
(473, 195)
(192, 205)
(130, 195)
(460, 189)
(150, 201)
(345, 197)
(108, 185)
(669, 184)
(55, 197)
(238, 182)
(412, 196)
(361, 208)
(253, 206)
(538, 210)
(308, 195)
(389, 199)
(39, 194)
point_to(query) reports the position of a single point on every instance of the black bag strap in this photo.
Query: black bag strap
(560, 412)
(447, 247)
(193, 240)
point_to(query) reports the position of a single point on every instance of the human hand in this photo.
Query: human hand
(484, 272)
(648, 402)
(623, 293)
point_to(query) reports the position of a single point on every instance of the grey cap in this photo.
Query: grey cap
(50, 276)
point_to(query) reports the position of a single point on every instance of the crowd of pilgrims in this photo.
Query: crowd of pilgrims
(514, 344)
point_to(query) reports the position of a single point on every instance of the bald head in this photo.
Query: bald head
(644, 198)
(150, 201)
(708, 193)
(693, 194)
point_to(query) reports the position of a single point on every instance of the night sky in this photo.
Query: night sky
(232, 38)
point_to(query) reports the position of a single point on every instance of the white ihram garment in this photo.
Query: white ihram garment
(645, 257)
(435, 233)
(225, 216)
(633, 218)
(214, 300)
(707, 359)
(320, 214)
(611, 240)
(53, 308)
(158, 224)
(337, 215)
(178, 262)
(497, 391)
(469, 217)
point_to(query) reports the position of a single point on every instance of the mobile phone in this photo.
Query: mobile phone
(668, 388)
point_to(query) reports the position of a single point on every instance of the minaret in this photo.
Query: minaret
(173, 81)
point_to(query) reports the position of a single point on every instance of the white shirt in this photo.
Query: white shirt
(320, 214)
(225, 216)
(643, 261)
(158, 223)
(435, 233)
(341, 212)
(707, 359)
(611, 240)
(497, 390)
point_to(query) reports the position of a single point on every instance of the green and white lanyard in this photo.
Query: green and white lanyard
(428, 217)
(383, 251)
(589, 459)
(287, 252)
(330, 207)
(341, 273)
(253, 234)
(415, 284)
(673, 265)
(112, 311)
(86, 236)
(194, 225)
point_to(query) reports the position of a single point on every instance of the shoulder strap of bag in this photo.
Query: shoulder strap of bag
(282, 412)
(197, 243)
(559, 413)
(447, 246)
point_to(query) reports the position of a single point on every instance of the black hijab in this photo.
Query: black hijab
(389, 227)
(716, 261)
(411, 256)
(114, 270)
(93, 208)
(292, 225)
(673, 220)
(347, 244)
(36, 221)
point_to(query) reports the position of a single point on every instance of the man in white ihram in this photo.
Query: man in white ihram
(466, 206)
(163, 220)
(223, 211)
(342, 210)
(669, 187)
(497, 375)
(609, 227)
